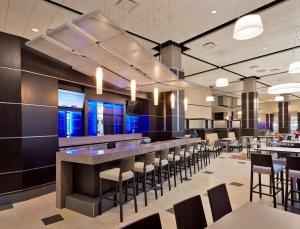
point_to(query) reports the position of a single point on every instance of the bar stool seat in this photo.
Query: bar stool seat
(187, 154)
(176, 157)
(113, 175)
(267, 170)
(294, 174)
(139, 167)
(163, 162)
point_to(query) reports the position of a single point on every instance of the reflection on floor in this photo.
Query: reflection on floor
(41, 211)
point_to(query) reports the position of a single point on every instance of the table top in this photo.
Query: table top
(279, 149)
(266, 136)
(93, 157)
(227, 139)
(254, 215)
(289, 142)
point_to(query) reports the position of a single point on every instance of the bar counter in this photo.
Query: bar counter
(67, 160)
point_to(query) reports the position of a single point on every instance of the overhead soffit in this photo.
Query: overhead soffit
(92, 40)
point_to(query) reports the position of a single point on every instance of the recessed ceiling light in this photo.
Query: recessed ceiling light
(214, 11)
(35, 30)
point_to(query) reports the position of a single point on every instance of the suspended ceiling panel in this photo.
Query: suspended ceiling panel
(281, 78)
(209, 78)
(192, 66)
(271, 64)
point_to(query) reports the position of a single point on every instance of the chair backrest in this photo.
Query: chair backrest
(189, 214)
(292, 163)
(231, 135)
(212, 137)
(289, 138)
(149, 158)
(149, 222)
(127, 164)
(177, 151)
(163, 154)
(261, 160)
(219, 201)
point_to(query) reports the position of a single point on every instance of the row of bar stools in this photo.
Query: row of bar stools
(292, 176)
(185, 157)
(145, 167)
(119, 175)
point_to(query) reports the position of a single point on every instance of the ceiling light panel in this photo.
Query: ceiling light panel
(70, 37)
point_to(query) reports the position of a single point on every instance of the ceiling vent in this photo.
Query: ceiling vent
(128, 5)
(254, 67)
(209, 45)
(261, 70)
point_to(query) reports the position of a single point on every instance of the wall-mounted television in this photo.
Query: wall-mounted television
(70, 99)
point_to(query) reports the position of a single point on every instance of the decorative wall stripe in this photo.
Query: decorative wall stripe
(28, 104)
(43, 136)
(26, 189)
(26, 170)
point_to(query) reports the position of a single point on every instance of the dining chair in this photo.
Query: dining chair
(149, 222)
(219, 201)
(189, 214)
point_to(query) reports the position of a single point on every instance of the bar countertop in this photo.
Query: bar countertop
(93, 157)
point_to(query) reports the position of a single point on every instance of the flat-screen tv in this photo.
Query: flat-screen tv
(70, 99)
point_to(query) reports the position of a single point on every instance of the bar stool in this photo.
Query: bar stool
(175, 162)
(161, 163)
(186, 158)
(292, 175)
(197, 154)
(119, 175)
(145, 167)
(263, 164)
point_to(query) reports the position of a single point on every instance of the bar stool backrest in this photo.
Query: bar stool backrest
(164, 154)
(293, 163)
(177, 151)
(261, 160)
(149, 158)
(149, 222)
(127, 164)
(189, 214)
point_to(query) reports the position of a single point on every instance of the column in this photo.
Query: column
(249, 107)
(283, 116)
(174, 118)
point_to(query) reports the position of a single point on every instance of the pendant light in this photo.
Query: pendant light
(279, 98)
(99, 80)
(239, 113)
(284, 88)
(172, 101)
(133, 90)
(155, 94)
(185, 103)
(209, 98)
(222, 82)
(248, 27)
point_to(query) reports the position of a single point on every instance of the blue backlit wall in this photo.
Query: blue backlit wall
(105, 118)
(133, 124)
(69, 123)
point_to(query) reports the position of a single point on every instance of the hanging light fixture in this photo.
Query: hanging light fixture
(185, 103)
(279, 98)
(222, 82)
(172, 101)
(239, 113)
(248, 27)
(133, 90)
(155, 94)
(99, 80)
(209, 98)
(294, 67)
(284, 88)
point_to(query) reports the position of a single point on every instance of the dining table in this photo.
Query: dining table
(257, 216)
(281, 150)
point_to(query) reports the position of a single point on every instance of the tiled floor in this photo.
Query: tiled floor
(29, 214)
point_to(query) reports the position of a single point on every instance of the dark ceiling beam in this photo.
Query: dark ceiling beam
(255, 11)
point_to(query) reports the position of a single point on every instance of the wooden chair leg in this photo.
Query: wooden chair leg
(282, 187)
(184, 164)
(175, 172)
(168, 173)
(121, 201)
(286, 191)
(292, 192)
(259, 183)
(273, 190)
(251, 186)
(190, 165)
(134, 196)
(161, 183)
(194, 162)
(180, 170)
(154, 182)
(137, 183)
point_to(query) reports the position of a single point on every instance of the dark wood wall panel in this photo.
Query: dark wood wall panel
(10, 84)
(39, 121)
(10, 156)
(11, 182)
(10, 54)
(10, 121)
(37, 177)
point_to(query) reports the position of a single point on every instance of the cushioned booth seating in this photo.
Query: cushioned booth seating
(211, 138)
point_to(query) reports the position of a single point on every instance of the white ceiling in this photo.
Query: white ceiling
(179, 20)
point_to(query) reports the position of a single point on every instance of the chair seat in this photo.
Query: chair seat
(176, 158)
(267, 170)
(279, 161)
(294, 174)
(211, 148)
(163, 162)
(139, 167)
(113, 175)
